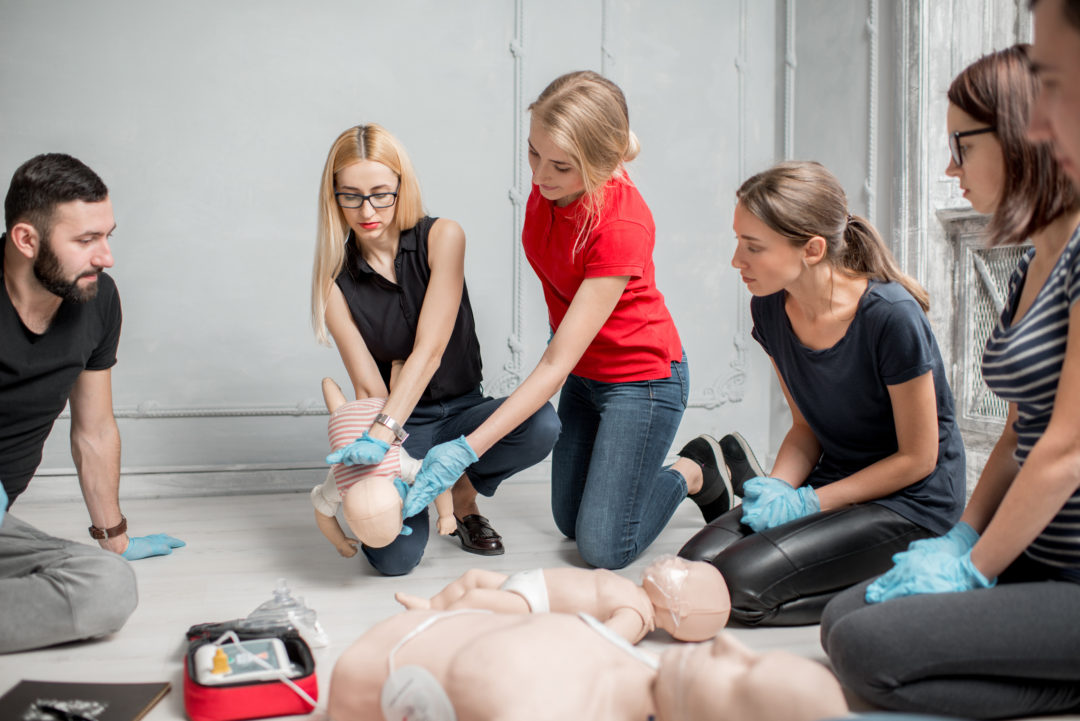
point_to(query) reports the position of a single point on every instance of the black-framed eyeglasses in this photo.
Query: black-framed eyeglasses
(356, 200)
(954, 143)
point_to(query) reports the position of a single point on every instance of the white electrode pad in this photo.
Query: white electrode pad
(412, 693)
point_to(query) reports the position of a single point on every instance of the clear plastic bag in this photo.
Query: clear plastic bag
(284, 607)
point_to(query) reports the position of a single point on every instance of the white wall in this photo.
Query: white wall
(210, 122)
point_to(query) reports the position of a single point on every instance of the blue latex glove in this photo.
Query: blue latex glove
(403, 490)
(157, 544)
(959, 540)
(917, 573)
(3, 503)
(769, 502)
(442, 466)
(364, 451)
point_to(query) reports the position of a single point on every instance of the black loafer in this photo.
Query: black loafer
(477, 536)
(740, 460)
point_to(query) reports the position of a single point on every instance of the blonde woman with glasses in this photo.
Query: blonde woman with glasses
(389, 287)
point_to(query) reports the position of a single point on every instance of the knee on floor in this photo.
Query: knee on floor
(604, 555)
(108, 598)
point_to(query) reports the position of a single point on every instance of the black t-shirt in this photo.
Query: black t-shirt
(387, 313)
(843, 394)
(37, 373)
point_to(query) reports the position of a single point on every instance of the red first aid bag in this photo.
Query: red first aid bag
(225, 683)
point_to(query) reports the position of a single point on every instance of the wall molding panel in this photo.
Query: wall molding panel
(870, 186)
(518, 194)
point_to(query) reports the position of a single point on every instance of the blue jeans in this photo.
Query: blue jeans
(435, 422)
(608, 490)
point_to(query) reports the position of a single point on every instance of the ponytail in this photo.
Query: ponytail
(802, 200)
(866, 254)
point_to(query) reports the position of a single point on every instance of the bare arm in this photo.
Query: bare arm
(332, 530)
(1048, 478)
(800, 450)
(593, 303)
(446, 258)
(996, 477)
(915, 417)
(95, 448)
(363, 371)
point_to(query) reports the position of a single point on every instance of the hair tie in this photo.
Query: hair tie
(850, 218)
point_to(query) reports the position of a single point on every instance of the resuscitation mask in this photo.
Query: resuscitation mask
(668, 575)
(412, 693)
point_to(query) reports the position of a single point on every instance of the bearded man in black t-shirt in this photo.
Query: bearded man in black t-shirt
(59, 330)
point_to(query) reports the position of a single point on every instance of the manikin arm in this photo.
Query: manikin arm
(457, 593)
(332, 530)
(628, 623)
(444, 505)
(326, 500)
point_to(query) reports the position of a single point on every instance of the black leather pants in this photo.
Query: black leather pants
(784, 576)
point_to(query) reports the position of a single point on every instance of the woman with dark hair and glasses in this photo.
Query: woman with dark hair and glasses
(388, 285)
(982, 622)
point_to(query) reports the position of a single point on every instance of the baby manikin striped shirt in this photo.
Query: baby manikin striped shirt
(348, 423)
(1022, 365)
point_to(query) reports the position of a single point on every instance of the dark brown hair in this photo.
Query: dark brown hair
(999, 90)
(801, 200)
(1071, 10)
(44, 182)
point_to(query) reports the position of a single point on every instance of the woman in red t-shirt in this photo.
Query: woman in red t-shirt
(614, 351)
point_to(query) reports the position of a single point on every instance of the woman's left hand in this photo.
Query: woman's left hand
(442, 466)
(770, 502)
(918, 573)
(364, 451)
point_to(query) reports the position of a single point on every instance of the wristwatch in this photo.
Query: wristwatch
(395, 427)
(102, 533)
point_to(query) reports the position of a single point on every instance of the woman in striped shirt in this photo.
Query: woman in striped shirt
(985, 621)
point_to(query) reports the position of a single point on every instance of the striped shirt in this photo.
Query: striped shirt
(1022, 365)
(348, 423)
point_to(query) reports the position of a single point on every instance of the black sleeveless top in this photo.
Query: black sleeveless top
(386, 314)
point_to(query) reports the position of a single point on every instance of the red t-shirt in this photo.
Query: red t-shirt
(639, 340)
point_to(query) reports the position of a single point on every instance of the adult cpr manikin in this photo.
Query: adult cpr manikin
(474, 665)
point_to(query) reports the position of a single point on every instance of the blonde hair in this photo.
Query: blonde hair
(585, 115)
(363, 142)
(801, 200)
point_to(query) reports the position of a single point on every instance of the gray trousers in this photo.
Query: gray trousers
(1012, 650)
(53, 590)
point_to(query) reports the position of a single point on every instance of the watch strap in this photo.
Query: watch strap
(102, 533)
(395, 427)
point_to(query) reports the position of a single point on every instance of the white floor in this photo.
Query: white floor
(237, 548)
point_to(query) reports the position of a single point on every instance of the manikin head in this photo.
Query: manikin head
(691, 599)
(370, 502)
(723, 679)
